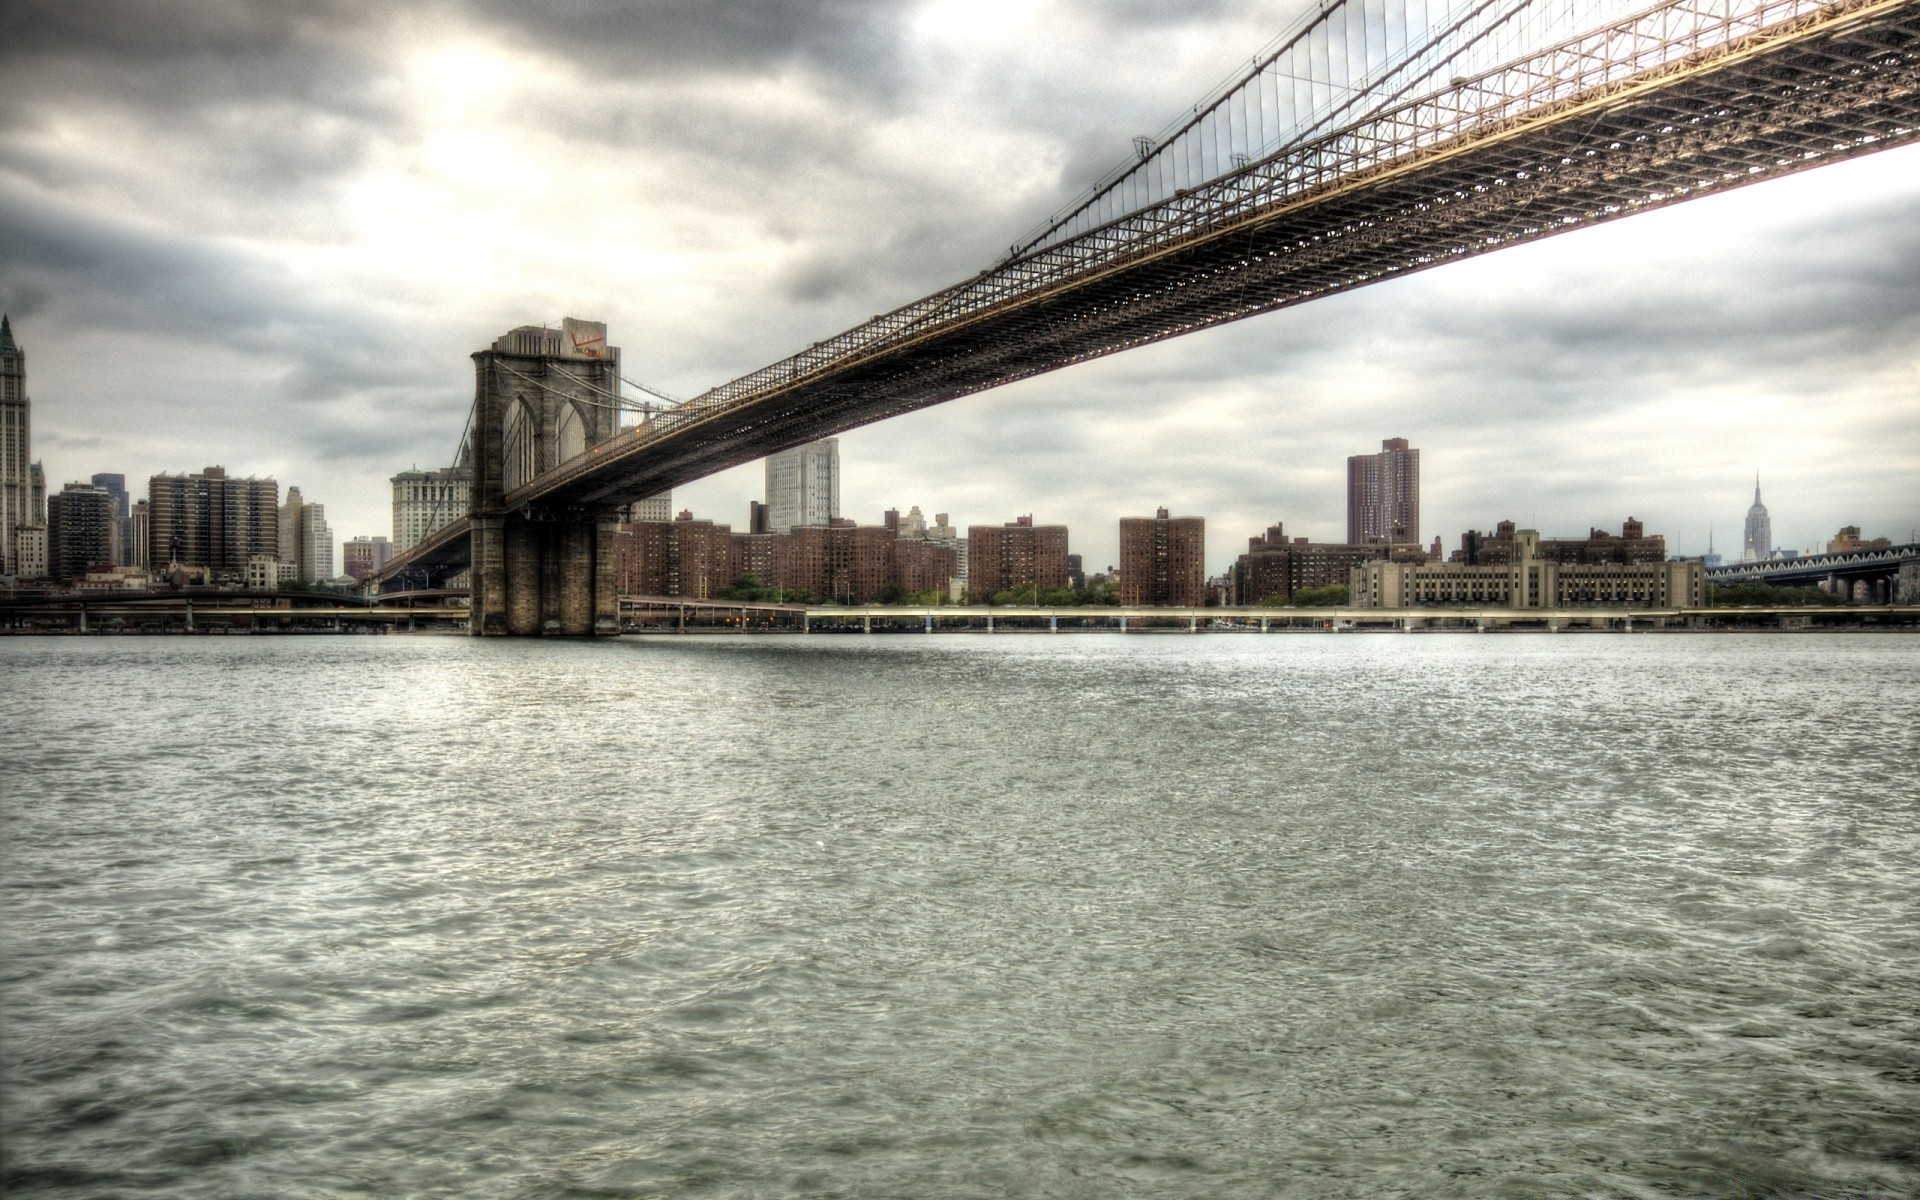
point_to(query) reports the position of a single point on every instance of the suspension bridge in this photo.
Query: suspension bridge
(1372, 139)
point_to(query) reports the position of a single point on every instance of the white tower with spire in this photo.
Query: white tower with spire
(22, 515)
(1759, 545)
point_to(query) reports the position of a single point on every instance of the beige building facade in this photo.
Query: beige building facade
(1528, 581)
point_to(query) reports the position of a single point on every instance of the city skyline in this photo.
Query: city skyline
(1651, 365)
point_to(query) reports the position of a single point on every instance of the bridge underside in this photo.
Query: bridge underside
(1837, 91)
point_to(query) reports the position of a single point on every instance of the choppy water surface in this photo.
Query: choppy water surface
(962, 916)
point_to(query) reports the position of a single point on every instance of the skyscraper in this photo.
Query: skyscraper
(1759, 542)
(423, 501)
(306, 542)
(116, 486)
(1163, 560)
(79, 530)
(1383, 495)
(209, 520)
(22, 514)
(803, 486)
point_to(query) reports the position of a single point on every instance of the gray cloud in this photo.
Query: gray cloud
(198, 191)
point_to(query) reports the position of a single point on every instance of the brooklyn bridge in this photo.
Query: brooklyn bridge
(1375, 138)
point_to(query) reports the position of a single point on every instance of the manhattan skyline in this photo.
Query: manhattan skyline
(290, 277)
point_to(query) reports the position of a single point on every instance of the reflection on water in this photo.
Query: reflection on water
(962, 916)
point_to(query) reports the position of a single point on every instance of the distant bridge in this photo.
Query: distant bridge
(1377, 138)
(1874, 572)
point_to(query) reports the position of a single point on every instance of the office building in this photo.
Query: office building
(1015, 555)
(306, 542)
(213, 521)
(23, 537)
(1163, 561)
(116, 486)
(1383, 495)
(424, 501)
(364, 556)
(1275, 566)
(653, 508)
(1528, 581)
(79, 531)
(1759, 534)
(803, 486)
(137, 524)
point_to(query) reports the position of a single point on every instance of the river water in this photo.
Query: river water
(912, 916)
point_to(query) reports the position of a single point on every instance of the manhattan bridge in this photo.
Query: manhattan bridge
(1374, 138)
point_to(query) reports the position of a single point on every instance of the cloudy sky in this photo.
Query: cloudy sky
(268, 236)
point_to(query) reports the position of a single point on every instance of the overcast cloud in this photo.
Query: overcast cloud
(269, 236)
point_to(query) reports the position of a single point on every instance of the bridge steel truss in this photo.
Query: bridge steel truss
(1879, 570)
(1679, 100)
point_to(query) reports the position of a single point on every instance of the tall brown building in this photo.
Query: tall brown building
(1383, 495)
(208, 520)
(1014, 555)
(924, 565)
(682, 557)
(1163, 560)
(844, 564)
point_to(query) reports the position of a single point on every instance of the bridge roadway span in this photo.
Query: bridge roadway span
(1623, 119)
(1019, 617)
(1878, 568)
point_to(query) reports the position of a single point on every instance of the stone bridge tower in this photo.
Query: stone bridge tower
(541, 397)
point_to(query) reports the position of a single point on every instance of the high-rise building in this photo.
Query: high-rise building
(210, 520)
(1759, 539)
(803, 486)
(79, 531)
(1383, 495)
(1163, 560)
(943, 531)
(364, 556)
(22, 513)
(306, 541)
(141, 550)
(423, 501)
(116, 486)
(289, 549)
(1016, 555)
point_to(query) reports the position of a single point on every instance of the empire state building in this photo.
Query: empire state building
(1759, 546)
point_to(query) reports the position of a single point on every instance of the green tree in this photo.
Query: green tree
(1767, 595)
(1333, 595)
